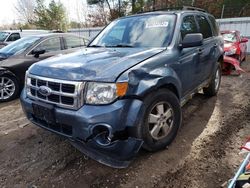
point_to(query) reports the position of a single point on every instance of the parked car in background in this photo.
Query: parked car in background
(9, 36)
(18, 56)
(235, 45)
(127, 88)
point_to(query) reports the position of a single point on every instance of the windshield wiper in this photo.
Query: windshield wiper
(121, 46)
(96, 46)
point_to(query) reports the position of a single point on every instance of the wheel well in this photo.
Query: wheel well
(221, 60)
(172, 88)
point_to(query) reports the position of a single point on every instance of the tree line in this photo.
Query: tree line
(53, 16)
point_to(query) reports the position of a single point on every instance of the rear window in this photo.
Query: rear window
(74, 42)
(215, 25)
(204, 26)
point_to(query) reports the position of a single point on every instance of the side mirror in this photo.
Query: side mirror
(192, 40)
(38, 52)
(243, 40)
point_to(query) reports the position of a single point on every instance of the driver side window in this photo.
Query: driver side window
(188, 26)
(50, 45)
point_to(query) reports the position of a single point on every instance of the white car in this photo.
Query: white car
(8, 36)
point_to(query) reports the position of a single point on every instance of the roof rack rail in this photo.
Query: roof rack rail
(193, 8)
(174, 8)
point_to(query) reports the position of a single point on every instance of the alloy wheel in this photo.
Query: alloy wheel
(160, 120)
(7, 88)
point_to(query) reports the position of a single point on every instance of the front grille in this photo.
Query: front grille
(67, 94)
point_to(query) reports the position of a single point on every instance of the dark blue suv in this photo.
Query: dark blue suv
(125, 90)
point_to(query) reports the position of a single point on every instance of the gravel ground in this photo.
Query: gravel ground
(204, 154)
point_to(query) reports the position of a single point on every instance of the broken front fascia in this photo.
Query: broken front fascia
(231, 61)
(118, 154)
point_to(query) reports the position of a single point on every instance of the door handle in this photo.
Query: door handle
(200, 50)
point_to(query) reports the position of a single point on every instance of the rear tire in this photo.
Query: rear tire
(160, 120)
(9, 88)
(214, 84)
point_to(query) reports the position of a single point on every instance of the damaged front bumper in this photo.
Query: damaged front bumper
(117, 154)
(229, 62)
(92, 129)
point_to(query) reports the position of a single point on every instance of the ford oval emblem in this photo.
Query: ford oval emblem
(44, 90)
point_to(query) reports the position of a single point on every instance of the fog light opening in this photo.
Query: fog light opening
(102, 134)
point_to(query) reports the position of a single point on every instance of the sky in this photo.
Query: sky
(8, 13)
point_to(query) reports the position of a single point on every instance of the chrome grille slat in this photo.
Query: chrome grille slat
(73, 99)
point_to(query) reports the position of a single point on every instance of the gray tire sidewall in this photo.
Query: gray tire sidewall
(143, 129)
(16, 92)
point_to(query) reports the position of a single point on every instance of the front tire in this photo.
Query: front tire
(214, 84)
(160, 121)
(9, 88)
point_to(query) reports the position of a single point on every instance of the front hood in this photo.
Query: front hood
(96, 64)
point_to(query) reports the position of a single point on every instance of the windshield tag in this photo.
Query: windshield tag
(156, 24)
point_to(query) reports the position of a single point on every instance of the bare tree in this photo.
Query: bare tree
(25, 8)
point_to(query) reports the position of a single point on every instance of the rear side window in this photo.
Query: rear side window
(204, 27)
(215, 25)
(188, 26)
(74, 42)
(13, 37)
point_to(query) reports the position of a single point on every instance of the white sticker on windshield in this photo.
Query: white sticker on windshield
(156, 24)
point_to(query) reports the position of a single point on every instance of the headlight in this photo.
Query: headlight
(27, 79)
(104, 93)
(27, 83)
(231, 51)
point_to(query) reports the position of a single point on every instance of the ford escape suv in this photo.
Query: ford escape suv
(125, 90)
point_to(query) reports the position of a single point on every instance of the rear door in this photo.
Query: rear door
(207, 50)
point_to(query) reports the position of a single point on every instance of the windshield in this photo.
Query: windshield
(3, 36)
(19, 46)
(139, 31)
(229, 37)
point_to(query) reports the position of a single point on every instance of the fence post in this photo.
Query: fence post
(222, 11)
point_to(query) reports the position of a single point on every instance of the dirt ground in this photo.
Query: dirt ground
(204, 154)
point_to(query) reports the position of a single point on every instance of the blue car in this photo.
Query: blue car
(125, 90)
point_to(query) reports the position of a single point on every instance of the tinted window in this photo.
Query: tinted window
(14, 37)
(50, 45)
(138, 31)
(74, 42)
(188, 26)
(215, 25)
(204, 27)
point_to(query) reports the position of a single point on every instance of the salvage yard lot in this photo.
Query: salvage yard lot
(204, 154)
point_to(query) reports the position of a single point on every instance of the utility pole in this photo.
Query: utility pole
(119, 1)
(222, 11)
(193, 1)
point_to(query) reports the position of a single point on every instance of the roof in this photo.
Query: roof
(54, 34)
(159, 12)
